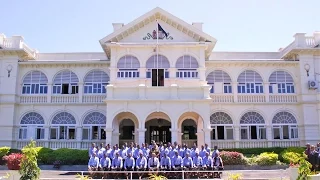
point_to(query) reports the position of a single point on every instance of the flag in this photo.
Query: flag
(163, 31)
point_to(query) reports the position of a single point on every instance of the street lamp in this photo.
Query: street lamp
(307, 68)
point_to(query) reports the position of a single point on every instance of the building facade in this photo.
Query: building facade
(160, 83)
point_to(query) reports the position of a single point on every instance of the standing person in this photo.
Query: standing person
(217, 165)
(215, 151)
(92, 149)
(307, 151)
(313, 158)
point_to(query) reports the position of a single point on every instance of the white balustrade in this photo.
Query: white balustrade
(222, 98)
(87, 144)
(223, 144)
(71, 144)
(283, 98)
(67, 98)
(251, 98)
(93, 98)
(8, 43)
(33, 99)
(253, 143)
(22, 143)
(284, 143)
(310, 41)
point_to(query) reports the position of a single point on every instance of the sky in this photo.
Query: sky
(238, 25)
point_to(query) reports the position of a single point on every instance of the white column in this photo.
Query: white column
(47, 136)
(80, 86)
(49, 93)
(207, 136)
(174, 135)
(236, 136)
(200, 138)
(172, 73)
(141, 135)
(113, 74)
(79, 136)
(109, 136)
(235, 91)
(202, 74)
(266, 90)
(269, 135)
(142, 73)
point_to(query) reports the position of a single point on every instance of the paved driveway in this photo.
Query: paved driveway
(246, 174)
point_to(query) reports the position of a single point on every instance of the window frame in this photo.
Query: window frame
(65, 132)
(280, 127)
(90, 131)
(259, 133)
(225, 127)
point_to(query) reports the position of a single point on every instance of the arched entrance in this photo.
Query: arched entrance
(124, 126)
(189, 132)
(190, 127)
(158, 128)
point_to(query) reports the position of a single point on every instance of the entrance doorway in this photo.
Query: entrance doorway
(160, 134)
(157, 77)
(158, 130)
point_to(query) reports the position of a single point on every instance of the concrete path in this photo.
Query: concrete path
(250, 174)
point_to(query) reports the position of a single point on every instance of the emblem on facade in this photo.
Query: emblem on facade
(160, 34)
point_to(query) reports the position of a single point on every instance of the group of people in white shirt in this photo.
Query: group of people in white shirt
(153, 157)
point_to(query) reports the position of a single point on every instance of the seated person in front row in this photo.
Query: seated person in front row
(176, 162)
(93, 163)
(141, 164)
(129, 163)
(207, 162)
(165, 162)
(197, 161)
(105, 163)
(187, 162)
(153, 163)
(117, 163)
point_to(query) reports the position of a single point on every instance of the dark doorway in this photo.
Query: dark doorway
(157, 77)
(162, 133)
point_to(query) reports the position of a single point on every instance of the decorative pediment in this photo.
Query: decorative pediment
(170, 24)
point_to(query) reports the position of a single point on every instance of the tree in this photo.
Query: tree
(29, 169)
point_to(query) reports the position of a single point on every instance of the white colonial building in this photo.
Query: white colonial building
(177, 90)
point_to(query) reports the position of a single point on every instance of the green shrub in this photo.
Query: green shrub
(45, 155)
(4, 151)
(298, 150)
(233, 158)
(267, 159)
(257, 151)
(71, 156)
(291, 157)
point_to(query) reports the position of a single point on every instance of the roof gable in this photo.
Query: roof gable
(150, 17)
(168, 20)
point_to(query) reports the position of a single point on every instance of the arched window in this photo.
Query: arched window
(65, 82)
(281, 82)
(128, 67)
(219, 81)
(63, 126)
(187, 67)
(31, 126)
(284, 126)
(93, 126)
(157, 69)
(250, 82)
(35, 82)
(221, 124)
(95, 82)
(252, 126)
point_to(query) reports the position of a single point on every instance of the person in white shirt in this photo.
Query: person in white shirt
(153, 163)
(105, 163)
(92, 149)
(93, 163)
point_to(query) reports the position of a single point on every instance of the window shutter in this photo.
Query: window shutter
(218, 76)
(249, 76)
(163, 62)
(187, 62)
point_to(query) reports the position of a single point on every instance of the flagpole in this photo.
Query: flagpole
(157, 51)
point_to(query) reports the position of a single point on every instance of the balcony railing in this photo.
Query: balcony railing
(57, 144)
(231, 144)
(94, 98)
(216, 98)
